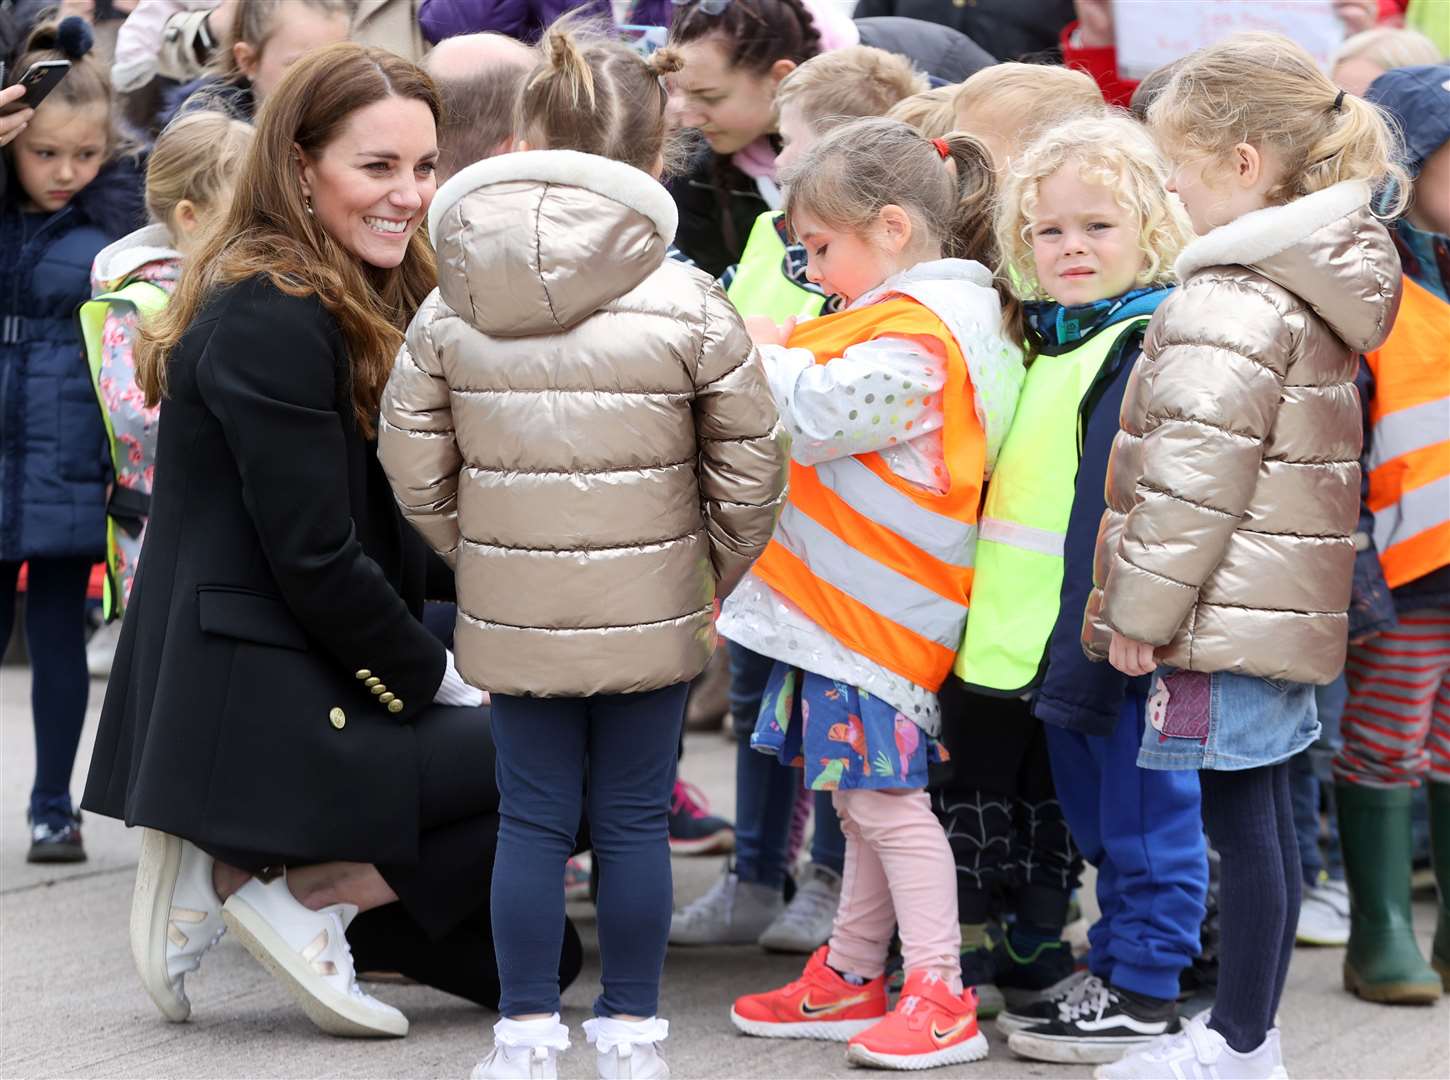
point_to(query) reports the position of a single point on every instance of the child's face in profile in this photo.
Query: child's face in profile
(60, 152)
(1085, 246)
(842, 263)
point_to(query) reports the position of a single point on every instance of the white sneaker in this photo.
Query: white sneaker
(101, 649)
(628, 1049)
(733, 912)
(524, 1050)
(307, 951)
(1324, 915)
(176, 916)
(1197, 1052)
(805, 924)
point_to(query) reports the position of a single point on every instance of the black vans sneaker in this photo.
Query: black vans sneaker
(1104, 1025)
(56, 838)
(1069, 992)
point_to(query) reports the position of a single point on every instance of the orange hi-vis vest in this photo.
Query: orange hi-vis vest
(881, 564)
(1409, 453)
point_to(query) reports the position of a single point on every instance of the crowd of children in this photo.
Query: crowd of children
(1113, 439)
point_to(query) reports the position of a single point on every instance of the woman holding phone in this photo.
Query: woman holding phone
(278, 718)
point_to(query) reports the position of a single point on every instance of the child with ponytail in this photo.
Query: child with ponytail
(580, 426)
(898, 405)
(189, 177)
(1226, 555)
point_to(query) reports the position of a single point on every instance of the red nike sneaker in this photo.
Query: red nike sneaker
(818, 1005)
(929, 1027)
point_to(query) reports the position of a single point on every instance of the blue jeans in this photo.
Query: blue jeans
(1143, 831)
(1311, 781)
(626, 747)
(765, 790)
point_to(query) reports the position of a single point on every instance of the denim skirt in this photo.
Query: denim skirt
(1222, 721)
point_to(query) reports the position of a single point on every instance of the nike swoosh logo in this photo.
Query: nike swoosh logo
(950, 1033)
(807, 1009)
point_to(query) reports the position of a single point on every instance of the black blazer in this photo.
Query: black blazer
(276, 582)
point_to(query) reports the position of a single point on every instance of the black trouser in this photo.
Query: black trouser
(996, 800)
(439, 932)
(55, 630)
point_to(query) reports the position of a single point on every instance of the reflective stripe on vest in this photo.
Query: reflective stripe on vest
(881, 564)
(761, 286)
(147, 299)
(1409, 453)
(1016, 597)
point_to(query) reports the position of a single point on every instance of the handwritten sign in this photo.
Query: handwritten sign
(1151, 33)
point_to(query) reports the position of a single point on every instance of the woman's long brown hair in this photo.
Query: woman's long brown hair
(267, 229)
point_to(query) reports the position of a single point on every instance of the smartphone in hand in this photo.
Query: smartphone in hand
(39, 80)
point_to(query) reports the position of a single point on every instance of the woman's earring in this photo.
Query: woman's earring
(308, 198)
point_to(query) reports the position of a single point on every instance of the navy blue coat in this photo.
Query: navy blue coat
(54, 462)
(1076, 693)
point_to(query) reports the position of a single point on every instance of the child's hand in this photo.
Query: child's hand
(1132, 658)
(766, 331)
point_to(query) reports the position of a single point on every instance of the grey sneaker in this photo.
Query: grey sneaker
(1324, 915)
(805, 924)
(733, 912)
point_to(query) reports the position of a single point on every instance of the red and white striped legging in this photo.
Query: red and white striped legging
(1397, 723)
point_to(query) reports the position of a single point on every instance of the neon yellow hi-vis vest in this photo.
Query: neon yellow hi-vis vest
(1016, 596)
(761, 286)
(147, 299)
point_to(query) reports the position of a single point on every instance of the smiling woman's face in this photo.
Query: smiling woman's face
(372, 185)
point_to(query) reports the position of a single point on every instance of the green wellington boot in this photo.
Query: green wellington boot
(1383, 961)
(1440, 856)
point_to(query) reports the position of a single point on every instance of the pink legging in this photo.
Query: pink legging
(899, 873)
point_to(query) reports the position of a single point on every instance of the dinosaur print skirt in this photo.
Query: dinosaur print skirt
(843, 737)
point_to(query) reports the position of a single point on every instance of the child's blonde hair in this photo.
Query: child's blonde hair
(595, 94)
(1032, 96)
(932, 112)
(845, 84)
(196, 159)
(1388, 47)
(850, 175)
(1265, 90)
(1111, 150)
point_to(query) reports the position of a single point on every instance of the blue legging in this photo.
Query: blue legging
(55, 631)
(626, 746)
(765, 790)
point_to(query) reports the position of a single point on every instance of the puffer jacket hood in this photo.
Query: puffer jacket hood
(1327, 249)
(582, 428)
(147, 252)
(1233, 490)
(521, 238)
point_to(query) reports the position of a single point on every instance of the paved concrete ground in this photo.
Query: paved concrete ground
(70, 1004)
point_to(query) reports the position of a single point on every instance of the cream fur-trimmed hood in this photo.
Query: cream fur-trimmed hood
(1326, 248)
(535, 242)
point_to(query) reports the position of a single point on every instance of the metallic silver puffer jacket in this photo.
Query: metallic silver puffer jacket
(582, 428)
(1233, 489)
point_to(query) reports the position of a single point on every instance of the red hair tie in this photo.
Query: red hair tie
(942, 148)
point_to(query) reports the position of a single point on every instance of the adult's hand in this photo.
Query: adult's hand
(1094, 23)
(14, 124)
